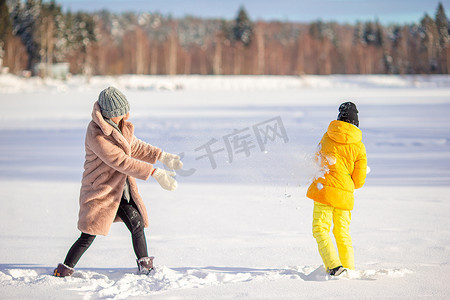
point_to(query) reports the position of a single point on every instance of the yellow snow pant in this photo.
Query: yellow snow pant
(323, 216)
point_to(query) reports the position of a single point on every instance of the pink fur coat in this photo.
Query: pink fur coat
(111, 157)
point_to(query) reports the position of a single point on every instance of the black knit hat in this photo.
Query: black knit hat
(348, 113)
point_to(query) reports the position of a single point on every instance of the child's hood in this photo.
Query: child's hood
(343, 132)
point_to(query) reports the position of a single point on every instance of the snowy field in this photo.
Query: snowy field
(239, 224)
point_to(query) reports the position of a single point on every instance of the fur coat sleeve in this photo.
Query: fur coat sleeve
(143, 151)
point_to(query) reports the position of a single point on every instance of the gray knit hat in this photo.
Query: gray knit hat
(113, 103)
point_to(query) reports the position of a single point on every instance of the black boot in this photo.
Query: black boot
(336, 271)
(145, 265)
(62, 271)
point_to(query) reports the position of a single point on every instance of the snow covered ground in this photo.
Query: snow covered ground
(239, 225)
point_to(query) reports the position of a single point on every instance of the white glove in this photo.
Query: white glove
(165, 179)
(172, 161)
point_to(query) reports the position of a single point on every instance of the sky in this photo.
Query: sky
(342, 11)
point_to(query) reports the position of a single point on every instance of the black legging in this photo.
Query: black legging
(130, 215)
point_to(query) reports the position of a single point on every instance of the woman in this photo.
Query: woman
(114, 158)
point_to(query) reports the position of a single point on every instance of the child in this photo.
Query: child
(114, 158)
(343, 156)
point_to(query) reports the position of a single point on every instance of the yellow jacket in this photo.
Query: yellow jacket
(343, 156)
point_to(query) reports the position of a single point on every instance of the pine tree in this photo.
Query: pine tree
(429, 42)
(24, 18)
(442, 26)
(379, 36)
(243, 28)
(369, 34)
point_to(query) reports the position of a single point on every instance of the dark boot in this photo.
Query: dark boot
(62, 271)
(336, 271)
(145, 265)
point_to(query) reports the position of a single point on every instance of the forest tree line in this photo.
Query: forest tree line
(104, 43)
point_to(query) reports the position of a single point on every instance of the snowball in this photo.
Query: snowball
(331, 160)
